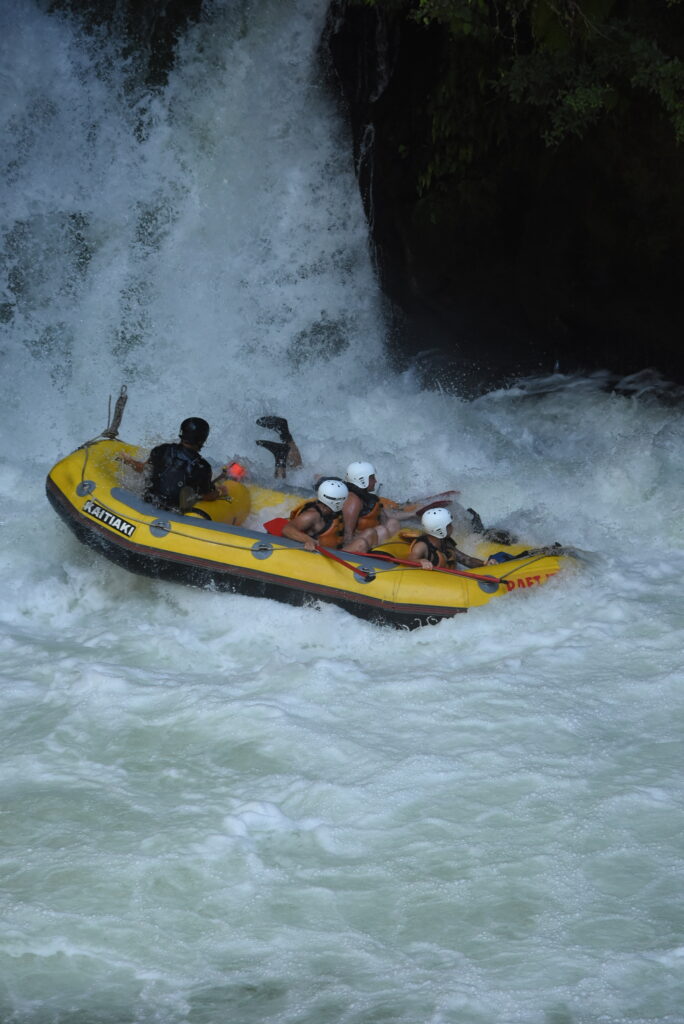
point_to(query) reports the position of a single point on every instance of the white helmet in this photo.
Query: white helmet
(359, 474)
(436, 520)
(332, 493)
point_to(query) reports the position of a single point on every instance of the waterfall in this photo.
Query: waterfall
(219, 808)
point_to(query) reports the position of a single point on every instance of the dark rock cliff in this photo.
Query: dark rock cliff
(537, 256)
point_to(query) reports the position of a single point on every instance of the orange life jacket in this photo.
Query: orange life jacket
(331, 535)
(371, 507)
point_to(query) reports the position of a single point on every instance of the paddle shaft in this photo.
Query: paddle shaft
(348, 565)
(452, 572)
(403, 561)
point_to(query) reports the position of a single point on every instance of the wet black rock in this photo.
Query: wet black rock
(542, 258)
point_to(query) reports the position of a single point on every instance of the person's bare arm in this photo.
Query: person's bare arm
(128, 460)
(414, 509)
(469, 560)
(214, 494)
(418, 554)
(297, 527)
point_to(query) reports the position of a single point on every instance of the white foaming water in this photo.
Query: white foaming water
(217, 808)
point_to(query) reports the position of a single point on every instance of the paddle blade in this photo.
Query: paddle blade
(275, 526)
(187, 497)
(438, 503)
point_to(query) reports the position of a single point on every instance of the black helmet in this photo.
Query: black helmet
(194, 430)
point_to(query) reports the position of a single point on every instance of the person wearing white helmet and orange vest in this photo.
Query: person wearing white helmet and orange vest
(370, 520)
(366, 523)
(319, 521)
(435, 549)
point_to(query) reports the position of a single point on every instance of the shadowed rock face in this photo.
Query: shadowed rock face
(567, 256)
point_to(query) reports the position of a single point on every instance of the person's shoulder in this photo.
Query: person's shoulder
(161, 449)
(309, 512)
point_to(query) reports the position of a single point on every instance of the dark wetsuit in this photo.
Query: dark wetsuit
(171, 467)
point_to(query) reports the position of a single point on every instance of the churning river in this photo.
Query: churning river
(223, 810)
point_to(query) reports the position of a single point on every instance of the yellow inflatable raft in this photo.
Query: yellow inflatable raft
(212, 546)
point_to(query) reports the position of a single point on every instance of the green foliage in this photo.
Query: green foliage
(557, 26)
(574, 86)
(662, 76)
(461, 17)
(567, 63)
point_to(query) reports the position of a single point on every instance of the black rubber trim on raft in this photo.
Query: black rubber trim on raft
(201, 573)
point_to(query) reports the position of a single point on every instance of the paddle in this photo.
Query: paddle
(403, 561)
(452, 572)
(275, 528)
(368, 573)
(187, 496)
(186, 503)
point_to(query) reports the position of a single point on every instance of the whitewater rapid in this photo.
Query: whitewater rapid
(217, 808)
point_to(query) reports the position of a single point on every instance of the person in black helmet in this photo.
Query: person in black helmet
(175, 466)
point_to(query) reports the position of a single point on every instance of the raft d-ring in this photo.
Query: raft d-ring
(85, 487)
(262, 549)
(488, 587)
(365, 576)
(160, 527)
